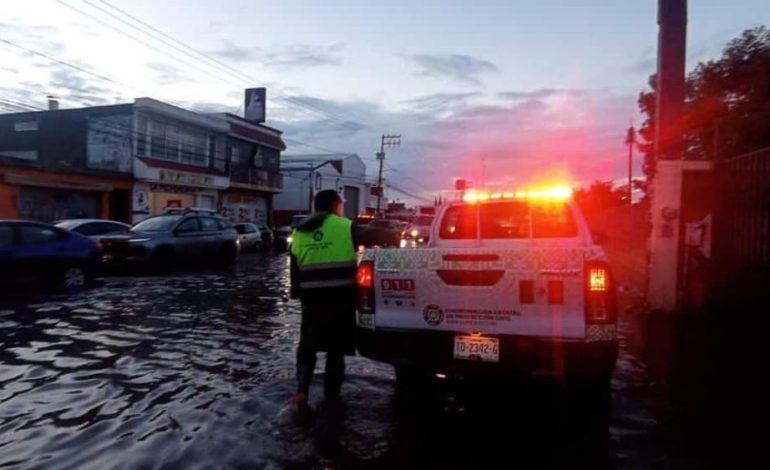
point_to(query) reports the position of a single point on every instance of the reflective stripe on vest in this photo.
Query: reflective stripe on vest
(325, 256)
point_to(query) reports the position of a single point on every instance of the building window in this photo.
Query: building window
(235, 155)
(141, 136)
(169, 141)
(21, 154)
(25, 126)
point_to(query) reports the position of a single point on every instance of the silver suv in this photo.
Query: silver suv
(189, 236)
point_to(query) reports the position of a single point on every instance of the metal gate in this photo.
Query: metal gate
(351, 195)
(742, 228)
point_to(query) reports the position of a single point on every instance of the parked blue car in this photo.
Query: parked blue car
(36, 251)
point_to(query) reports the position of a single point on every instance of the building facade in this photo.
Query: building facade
(254, 155)
(131, 161)
(66, 163)
(305, 175)
(181, 159)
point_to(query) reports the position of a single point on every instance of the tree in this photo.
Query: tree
(727, 103)
(599, 196)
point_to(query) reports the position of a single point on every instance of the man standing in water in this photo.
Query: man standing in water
(323, 272)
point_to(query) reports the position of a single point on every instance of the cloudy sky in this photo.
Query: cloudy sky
(505, 91)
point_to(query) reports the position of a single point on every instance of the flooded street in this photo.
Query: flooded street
(191, 370)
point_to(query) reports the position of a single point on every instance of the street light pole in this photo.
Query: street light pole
(630, 141)
(388, 140)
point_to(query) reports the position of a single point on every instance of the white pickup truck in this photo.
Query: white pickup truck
(509, 283)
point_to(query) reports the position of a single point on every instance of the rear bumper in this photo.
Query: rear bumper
(433, 351)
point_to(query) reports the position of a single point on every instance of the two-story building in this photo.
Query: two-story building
(130, 161)
(181, 158)
(66, 163)
(254, 154)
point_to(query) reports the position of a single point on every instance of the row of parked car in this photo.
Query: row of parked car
(71, 252)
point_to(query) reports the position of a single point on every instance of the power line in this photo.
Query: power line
(125, 131)
(80, 69)
(102, 77)
(144, 43)
(232, 71)
(405, 192)
(229, 70)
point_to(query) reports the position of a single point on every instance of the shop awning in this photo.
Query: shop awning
(24, 180)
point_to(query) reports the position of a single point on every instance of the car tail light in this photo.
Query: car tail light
(365, 283)
(597, 279)
(97, 245)
(600, 294)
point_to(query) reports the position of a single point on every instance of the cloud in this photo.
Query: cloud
(236, 53)
(42, 36)
(166, 74)
(441, 102)
(577, 137)
(208, 107)
(285, 57)
(646, 65)
(539, 94)
(25, 29)
(71, 86)
(300, 56)
(457, 67)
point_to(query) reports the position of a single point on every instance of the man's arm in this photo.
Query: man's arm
(293, 277)
(357, 234)
(293, 271)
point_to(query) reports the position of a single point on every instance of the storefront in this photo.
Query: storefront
(245, 206)
(46, 196)
(158, 189)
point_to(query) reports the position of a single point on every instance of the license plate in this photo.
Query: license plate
(475, 348)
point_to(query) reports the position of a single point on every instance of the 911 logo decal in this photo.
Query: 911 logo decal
(433, 315)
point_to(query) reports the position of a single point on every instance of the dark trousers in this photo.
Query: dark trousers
(334, 374)
(309, 345)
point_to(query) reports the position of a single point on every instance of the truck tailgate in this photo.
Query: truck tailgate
(529, 291)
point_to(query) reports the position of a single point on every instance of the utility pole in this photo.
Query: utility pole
(388, 140)
(630, 141)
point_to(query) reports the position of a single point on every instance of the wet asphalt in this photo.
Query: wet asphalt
(191, 369)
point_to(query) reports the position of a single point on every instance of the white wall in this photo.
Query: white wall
(295, 197)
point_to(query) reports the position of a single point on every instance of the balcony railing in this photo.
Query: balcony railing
(262, 179)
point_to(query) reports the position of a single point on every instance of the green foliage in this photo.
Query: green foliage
(727, 103)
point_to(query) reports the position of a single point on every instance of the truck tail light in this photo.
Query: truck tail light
(601, 307)
(365, 284)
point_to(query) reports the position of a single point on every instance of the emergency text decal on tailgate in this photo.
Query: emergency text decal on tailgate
(398, 292)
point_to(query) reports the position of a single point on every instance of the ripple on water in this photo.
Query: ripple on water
(193, 369)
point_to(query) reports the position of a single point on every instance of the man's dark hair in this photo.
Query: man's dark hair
(325, 200)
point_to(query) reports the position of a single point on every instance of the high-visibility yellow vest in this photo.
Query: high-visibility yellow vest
(325, 256)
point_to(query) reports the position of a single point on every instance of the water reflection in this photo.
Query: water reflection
(192, 369)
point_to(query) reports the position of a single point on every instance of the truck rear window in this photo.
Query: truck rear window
(510, 219)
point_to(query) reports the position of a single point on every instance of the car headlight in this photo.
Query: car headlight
(288, 239)
(139, 240)
(414, 232)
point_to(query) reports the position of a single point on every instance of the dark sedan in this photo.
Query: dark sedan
(37, 251)
(381, 232)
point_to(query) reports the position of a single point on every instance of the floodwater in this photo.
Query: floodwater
(192, 370)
